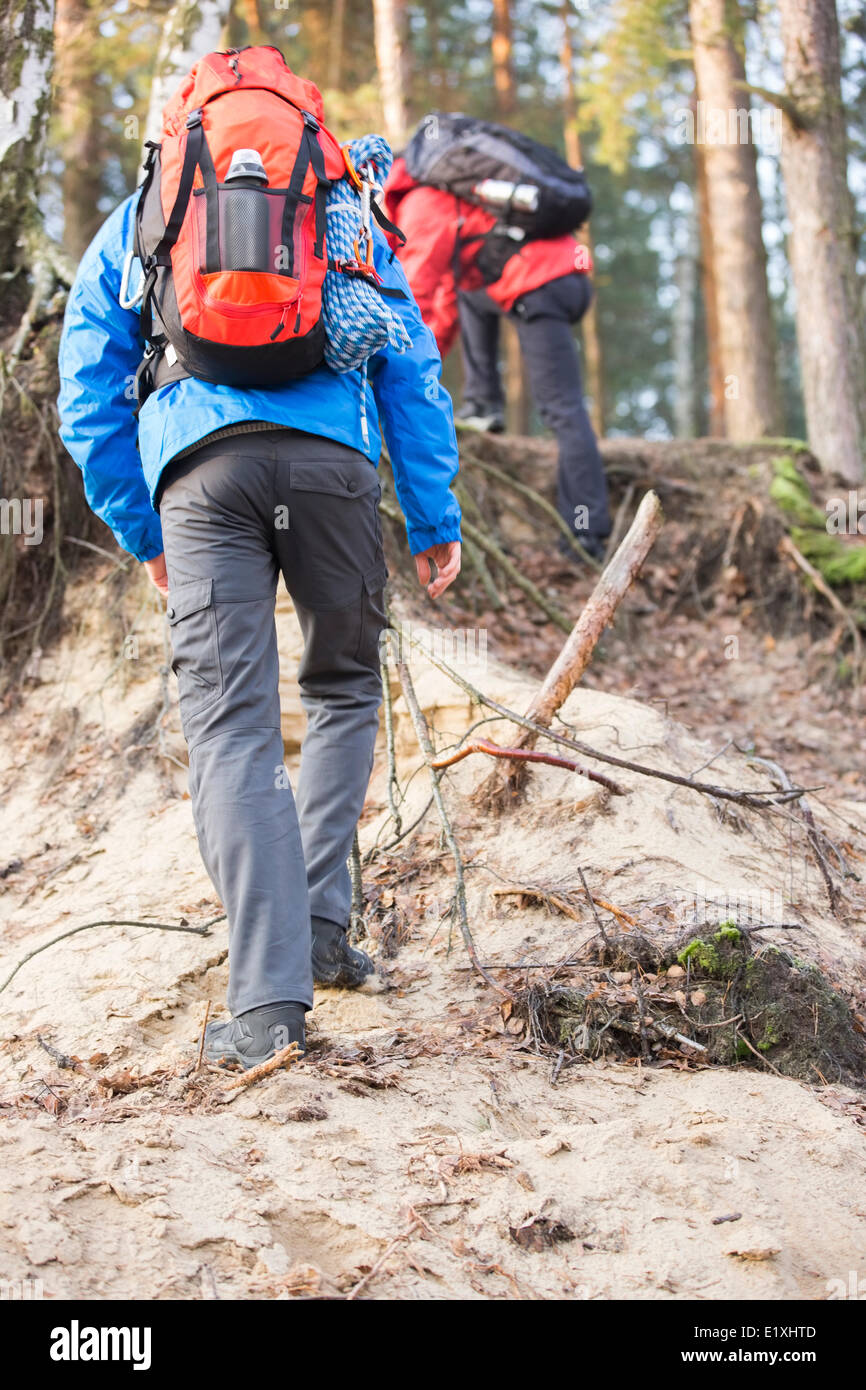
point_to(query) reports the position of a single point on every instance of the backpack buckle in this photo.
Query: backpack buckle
(310, 121)
(194, 118)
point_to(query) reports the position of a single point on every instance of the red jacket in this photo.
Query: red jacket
(431, 222)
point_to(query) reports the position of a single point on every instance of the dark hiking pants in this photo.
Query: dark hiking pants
(235, 515)
(543, 319)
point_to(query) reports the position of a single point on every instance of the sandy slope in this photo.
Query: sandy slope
(416, 1113)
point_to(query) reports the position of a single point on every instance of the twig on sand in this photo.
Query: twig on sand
(286, 1055)
(416, 1222)
(64, 1062)
(813, 835)
(594, 910)
(73, 931)
(371, 1273)
(557, 901)
(201, 1040)
(422, 733)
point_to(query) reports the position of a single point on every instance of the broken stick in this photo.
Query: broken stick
(598, 612)
(283, 1058)
(576, 654)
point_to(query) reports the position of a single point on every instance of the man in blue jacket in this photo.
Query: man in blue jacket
(231, 488)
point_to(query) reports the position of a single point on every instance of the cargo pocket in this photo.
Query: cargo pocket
(195, 647)
(372, 615)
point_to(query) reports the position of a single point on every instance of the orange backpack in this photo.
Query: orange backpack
(230, 226)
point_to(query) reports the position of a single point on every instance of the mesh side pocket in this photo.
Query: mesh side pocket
(258, 230)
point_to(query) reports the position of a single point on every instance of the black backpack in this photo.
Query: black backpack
(538, 195)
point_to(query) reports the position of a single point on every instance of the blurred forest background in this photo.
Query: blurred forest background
(612, 84)
(725, 144)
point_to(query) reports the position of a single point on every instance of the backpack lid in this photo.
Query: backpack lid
(238, 68)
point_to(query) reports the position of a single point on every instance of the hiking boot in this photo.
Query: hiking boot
(595, 546)
(487, 419)
(255, 1036)
(335, 962)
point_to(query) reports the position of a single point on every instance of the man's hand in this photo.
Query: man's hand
(156, 573)
(446, 558)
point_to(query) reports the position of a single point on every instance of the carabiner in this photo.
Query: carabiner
(125, 300)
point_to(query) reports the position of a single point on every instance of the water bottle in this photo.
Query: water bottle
(500, 193)
(246, 239)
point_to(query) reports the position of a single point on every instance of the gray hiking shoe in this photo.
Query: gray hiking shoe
(335, 962)
(255, 1036)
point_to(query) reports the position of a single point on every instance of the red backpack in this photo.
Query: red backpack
(230, 226)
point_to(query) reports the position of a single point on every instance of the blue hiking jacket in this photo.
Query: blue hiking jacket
(100, 350)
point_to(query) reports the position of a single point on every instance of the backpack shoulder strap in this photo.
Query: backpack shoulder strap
(196, 155)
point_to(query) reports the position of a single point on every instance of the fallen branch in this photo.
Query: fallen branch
(395, 796)
(475, 560)
(598, 612)
(357, 928)
(755, 799)
(598, 922)
(484, 745)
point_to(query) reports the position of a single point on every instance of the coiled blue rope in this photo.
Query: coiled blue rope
(358, 321)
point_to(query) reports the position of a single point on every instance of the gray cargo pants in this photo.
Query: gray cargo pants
(234, 515)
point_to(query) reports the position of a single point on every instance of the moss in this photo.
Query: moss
(760, 999)
(702, 954)
(840, 560)
(791, 446)
(721, 957)
(790, 491)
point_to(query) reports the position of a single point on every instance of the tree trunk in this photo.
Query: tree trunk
(79, 128)
(516, 389)
(746, 338)
(389, 25)
(822, 243)
(715, 375)
(26, 54)
(192, 29)
(335, 44)
(592, 350)
(685, 386)
(503, 72)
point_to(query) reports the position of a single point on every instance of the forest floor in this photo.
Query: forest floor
(424, 1148)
